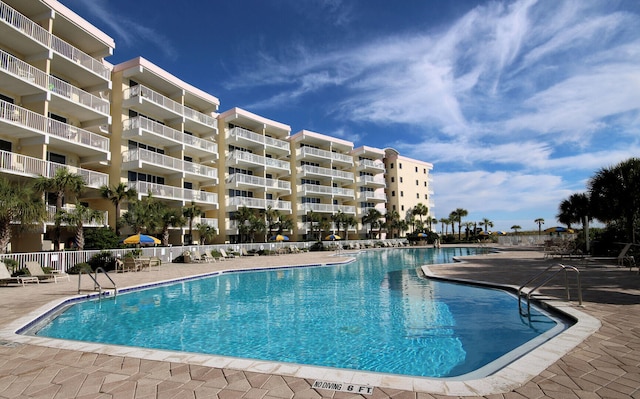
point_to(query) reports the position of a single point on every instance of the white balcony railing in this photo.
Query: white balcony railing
(326, 208)
(174, 135)
(11, 162)
(369, 164)
(258, 203)
(207, 221)
(371, 180)
(41, 124)
(169, 104)
(305, 189)
(27, 27)
(334, 156)
(247, 157)
(259, 181)
(174, 193)
(168, 162)
(318, 171)
(240, 133)
(51, 216)
(372, 196)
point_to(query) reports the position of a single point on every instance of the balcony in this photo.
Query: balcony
(31, 40)
(51, 217)
(326, 208)
(205, 199)
(249, 181)
(247, 159)
(235, 203)
(371, 181)
(371, 166)
(159, 135)
(251, 139)
(163, 164)
(22, 165)
(316, 189)
(152, 103)
(338, 175)
(315, 153)
(365, 209)
(206, 221)
(33, 128)
(372, 196)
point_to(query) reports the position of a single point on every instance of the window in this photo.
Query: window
(391, 165)
(425, 184)
(417, 183)
(401, 179)
(188, 185)
(5, 145)
(5, 98)
(402, 193)
(418, 196)
(424, 171)
(393, 193)
(402, 207)
(399, 165)
(394, 207)
(416, 169)
(56, 158)
(393, 179)
(426, 196)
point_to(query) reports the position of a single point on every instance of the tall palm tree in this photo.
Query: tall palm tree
(191, 212)
(61, 183)
(392, 221)
(539, 222)
(486, 223)
(420, 210)
(460, 213)
(18, 203)
(272, 217)
(243, 217)
(206, 232)
(76, 218)
(372, 218)
(117, 195)
(169, 217)
(515, 228)
(349, 221)
(444, 222)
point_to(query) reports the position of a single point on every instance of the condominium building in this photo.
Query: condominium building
(408, 183)
(54, 102)
(254, 167)
(62, 105)
(164, 140)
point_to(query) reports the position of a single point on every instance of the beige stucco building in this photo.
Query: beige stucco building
(62, 105)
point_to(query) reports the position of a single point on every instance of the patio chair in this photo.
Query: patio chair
(5, 277)
(35, 270)
(225, 255)
(207, 258)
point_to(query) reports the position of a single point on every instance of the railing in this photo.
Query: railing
(369, 164)
(316, 170)
(326, 208)
(32, 120)
(207, 221)
(327, 190)
(365, 209)
(22, 164)
(334, 156)
(168, 162)
(238, 132)
(29, 28)
(169, 104)
(259, 203)
(561, 268)
(176, 193)
(172, 134)
(96, 285)
(51, 216)
(371, 195)
(259, 181)
(378, 180)
(243, 156)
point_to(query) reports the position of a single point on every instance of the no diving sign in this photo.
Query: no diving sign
(342, 387)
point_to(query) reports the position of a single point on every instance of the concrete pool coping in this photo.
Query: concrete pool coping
(507, 379)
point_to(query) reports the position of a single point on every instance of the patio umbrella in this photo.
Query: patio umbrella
(422, 235)
(141, 239)
(279, 237)
(332, 237)
(558, 229)
(499, 233)
(484, 233)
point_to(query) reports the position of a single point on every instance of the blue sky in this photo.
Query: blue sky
(516, 103)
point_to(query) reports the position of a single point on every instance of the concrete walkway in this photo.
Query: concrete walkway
(605, 365)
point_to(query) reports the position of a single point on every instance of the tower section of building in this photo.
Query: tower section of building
(165, 141)
(54, 103)
(369, 172)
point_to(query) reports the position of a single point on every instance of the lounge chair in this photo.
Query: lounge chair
(35, 270)
(5, 277)
(206, 258)
(225, 255)
(243, 252)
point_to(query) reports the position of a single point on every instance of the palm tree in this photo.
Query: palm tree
(117, 195)
(515, 228)
(349, 221)
(242, 218)
(272, 217)
(18, 203)
(486, 223)
(392, 222)
(372, 218)
(206, 232)
(420, 210)
(432, 221)
(444, 222)
(61, 183)
(169, 217)
(574, 209)
(539, 222)
(76, 219)
(453, 217)
(191, 212)
(460, 213)
(339, 219)
(143, 215)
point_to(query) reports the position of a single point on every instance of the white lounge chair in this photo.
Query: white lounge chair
(36, 271)
(5, 277)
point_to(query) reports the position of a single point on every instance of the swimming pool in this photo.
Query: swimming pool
(374, 314)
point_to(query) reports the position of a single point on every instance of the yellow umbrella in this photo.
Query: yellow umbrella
(332, 237)
(141, 239)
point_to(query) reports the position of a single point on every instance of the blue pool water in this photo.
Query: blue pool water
(374, 314)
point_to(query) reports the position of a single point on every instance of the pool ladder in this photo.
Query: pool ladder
(550, 274)
(97, 287)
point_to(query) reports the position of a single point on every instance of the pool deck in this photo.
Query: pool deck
(582, 364)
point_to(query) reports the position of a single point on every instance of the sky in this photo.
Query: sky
(515, 103)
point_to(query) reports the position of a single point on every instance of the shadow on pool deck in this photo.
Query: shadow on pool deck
(605, 365)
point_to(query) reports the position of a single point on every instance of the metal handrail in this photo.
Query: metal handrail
(562, 268)
(97, 286)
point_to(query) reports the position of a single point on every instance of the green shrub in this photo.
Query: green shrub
(83, 266)
(104, 260)
(11, 264)
(216, 254)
